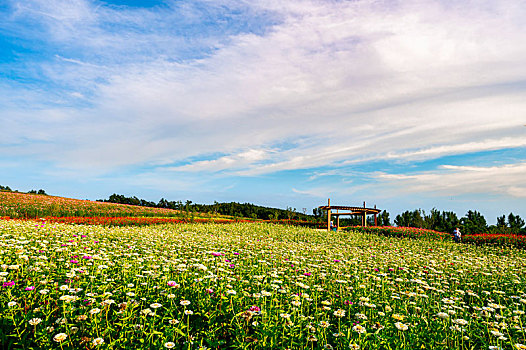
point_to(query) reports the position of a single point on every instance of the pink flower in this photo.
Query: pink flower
(8, 284)
(30, 288)
(307, 274)
(254, 308)
(216, 254)
(172, 283)
(209, 290)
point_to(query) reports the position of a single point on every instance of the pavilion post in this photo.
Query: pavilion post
(364, 219)
(375, 223)
(329, 216)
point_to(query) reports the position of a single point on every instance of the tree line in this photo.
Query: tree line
(8, 189)
(245, 210)
(472, 222)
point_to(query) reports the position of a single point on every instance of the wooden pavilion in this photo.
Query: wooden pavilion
(338, 210)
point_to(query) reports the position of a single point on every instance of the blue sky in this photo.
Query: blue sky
(402, 104)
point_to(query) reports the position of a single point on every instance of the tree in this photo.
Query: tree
(473, 222)
(318, 213)
(383, 219)
(163, 203)
(515, 221)
(434, 220)
(410, 218)
(290, 212)
(450, 222)
(404, 219)
(501, 221)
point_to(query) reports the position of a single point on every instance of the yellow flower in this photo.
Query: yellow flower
(398, 317)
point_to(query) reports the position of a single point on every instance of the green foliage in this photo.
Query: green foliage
(442, 221)
(473, 222)
(514, 225)
(515, 222)
(353, 220)
(411, 219)
(383, 219)
(40, 191)
(318, 213)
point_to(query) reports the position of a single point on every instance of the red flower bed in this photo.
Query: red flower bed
(497, 239)
(126, 221)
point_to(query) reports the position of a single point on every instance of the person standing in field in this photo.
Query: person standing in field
(457, 236)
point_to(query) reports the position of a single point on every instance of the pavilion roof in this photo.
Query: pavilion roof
(354, 210)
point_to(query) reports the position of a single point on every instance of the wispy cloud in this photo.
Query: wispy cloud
(232, 162)
(505, 181)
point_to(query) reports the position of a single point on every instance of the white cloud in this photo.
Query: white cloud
(504, 180)
(232, 162)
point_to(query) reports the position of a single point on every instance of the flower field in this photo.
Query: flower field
(253, 286)
(23, 205)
